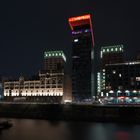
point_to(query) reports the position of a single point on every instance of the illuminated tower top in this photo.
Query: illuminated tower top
(80, 20)
(54, 54)
(54, 61)
(81, 24)
(112, 54)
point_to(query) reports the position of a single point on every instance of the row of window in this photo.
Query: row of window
(29, 91)
(59, 86)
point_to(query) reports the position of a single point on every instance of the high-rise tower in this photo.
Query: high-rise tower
(82, 57)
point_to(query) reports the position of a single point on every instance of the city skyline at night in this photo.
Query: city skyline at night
(69, 70)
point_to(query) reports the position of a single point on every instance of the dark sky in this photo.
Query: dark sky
(28, 28)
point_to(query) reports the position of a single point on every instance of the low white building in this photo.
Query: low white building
(48, 85)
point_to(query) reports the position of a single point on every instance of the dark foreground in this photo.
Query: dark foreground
(71, 112)
(30, 129)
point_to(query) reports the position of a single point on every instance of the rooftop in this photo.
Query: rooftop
(56, 54)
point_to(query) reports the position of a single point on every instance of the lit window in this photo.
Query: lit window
(116, 49)
(76, 40)
(120, 75)
(114, 72)
(107, 94)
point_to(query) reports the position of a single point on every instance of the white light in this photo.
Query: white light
(76, 40)
(114, 72)
(119, 91)
(134, 91)
(111, 91)
(101, 54)
(67, 101)
(127, 91)
(102, 94)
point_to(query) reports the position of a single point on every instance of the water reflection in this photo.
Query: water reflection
(25, 129)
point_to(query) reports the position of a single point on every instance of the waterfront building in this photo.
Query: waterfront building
(123, 81)
(48, 86)
(108, 55)
(82, 57)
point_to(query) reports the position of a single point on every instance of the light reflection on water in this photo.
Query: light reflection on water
(25, 129)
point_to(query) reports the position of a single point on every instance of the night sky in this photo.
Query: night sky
(28, 28)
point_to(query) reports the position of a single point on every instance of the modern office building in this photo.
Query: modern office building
(123, 81)
(109, 55)
(82, 57)
(48, 87)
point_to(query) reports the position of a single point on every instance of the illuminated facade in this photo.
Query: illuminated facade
(49, 86)
(82, 57)
(109, 55)
(123, 81)
(46, 85)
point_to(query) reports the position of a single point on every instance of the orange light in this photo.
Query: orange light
(79, 18)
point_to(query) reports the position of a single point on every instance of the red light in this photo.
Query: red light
(79, 18)
(122, 97)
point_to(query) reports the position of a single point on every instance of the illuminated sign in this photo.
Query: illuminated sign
(79, 18)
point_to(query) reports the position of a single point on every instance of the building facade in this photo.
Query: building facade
(108, 55)
(54, 61)
(48, 87)
(123, 81)
(82, 57)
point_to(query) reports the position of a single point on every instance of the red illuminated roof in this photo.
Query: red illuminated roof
(79, 20)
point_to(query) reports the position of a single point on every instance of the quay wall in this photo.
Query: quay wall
(58, 112)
